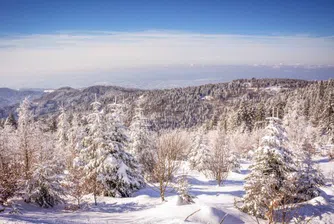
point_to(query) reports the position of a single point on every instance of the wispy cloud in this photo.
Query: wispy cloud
(49, 55)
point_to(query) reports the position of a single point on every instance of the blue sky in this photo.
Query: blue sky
(237, 17)
(169, 43)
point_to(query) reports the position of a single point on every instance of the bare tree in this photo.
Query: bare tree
(169, 151)
(218, 165)
(76, 187)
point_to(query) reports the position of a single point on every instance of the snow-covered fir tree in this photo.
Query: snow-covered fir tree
(44, 185)
(109, 170)
(127, 175)
(62, 128)
(234, 161)
(62, 144)
(301, 133)
(199, 152)
(142, 141)
(298, 128)
(272, 171)
(309, 178)
(25, 132)
(327, 121)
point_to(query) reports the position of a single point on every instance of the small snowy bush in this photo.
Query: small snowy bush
(182, 188)
(234, 163)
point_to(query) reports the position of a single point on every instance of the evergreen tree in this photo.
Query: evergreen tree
(126, 176)
(142, 139)
(44, 183)
(25, 133)
(234, 163)
(260, 115)
(309, 178)
(200, 152)
(327, 118)
(271, 172)
(62, 144)
(11, 121)
(245, 117)
(109, 170)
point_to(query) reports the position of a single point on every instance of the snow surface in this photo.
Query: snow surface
(213, 202)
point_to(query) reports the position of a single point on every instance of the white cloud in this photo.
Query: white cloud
(50, 55)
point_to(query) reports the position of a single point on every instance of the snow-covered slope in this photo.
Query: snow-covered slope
(212, 204)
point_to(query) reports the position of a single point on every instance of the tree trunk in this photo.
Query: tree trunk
(95, 198)
(162, 192)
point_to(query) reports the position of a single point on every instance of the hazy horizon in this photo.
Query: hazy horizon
(181, 76)
(158, 45)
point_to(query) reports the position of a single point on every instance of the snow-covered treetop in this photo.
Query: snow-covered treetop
(24, 113)
(275, 134)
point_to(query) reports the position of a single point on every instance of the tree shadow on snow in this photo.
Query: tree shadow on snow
(324, 160)
(196, 192)
(33, 219)
(52, 216)
(118, 208)
(233, 182)
(67, 219)
(153, 192)
(244, 172)
(194, 181)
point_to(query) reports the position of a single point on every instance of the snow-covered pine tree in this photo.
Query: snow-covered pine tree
(301, 133)
(109, 170)
(200, 153)
(327, 118)
(309, 178)
(298, 127)
(271, 172)
(25, 136)
(93, 151)
(142, 141)
(126, 176)
(44, 185)
(74, 178)
(62, 145)
(234, 161)
(75, 135)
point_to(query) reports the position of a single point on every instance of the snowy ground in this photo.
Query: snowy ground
(146, 207)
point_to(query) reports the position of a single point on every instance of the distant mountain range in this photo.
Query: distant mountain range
(10, 97)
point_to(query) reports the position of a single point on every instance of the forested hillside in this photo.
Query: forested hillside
(240, 105)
